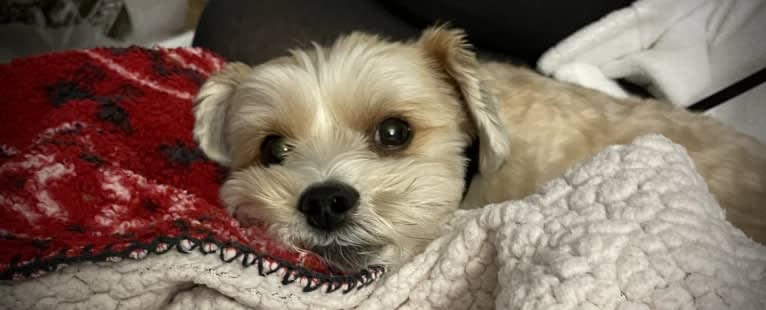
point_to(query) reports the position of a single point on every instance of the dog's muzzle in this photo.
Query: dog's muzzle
(327, 205)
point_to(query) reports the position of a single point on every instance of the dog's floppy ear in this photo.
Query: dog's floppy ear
(210, 109)
(453, 55)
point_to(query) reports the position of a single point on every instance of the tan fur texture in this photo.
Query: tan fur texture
(553, 125)
(326, 101)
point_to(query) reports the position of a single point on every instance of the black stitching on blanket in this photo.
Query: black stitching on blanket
(269, 272)
(289, 276)
(309, 287)
(186, 244)
(233, 258)
(332, 287)
(209, 246)
(259, 262)
(351, 286)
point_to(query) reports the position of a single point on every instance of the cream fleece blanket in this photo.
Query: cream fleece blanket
(632, 228)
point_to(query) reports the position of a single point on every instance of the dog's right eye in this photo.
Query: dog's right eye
(274, 150)
(393, 134)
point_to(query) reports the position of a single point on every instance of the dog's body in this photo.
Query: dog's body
(553, 125)
(356, 151)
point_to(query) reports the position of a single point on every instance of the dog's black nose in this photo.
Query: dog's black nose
(326, 205)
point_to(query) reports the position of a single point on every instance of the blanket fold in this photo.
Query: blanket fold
(680, 50)
(107, 204)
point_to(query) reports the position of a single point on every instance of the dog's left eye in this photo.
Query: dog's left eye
(274, 150)
(393, 133)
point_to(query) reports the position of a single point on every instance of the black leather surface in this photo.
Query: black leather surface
(257, 30)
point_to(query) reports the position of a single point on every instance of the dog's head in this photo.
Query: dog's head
(353, 151)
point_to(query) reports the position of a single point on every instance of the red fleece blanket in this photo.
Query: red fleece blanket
(97, 163)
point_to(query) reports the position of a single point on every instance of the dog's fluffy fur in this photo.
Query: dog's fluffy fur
(327, 101)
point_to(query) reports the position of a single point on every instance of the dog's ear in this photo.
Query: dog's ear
(453, 55)
(210, 108)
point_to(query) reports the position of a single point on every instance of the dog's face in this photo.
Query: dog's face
(353, 151)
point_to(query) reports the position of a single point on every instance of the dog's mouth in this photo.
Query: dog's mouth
(350, 248)
(343, 255)
(347, 258)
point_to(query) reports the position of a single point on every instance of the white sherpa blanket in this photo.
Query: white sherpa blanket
(682, 50)
(632, 228)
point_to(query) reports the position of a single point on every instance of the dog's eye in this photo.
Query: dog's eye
(393, 133)
(274, 150)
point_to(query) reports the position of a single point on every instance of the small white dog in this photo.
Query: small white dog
(357, 151)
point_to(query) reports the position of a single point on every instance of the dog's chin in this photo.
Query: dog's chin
(347, 258)
(344, 251)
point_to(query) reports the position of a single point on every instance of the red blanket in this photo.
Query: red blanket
(97, 162)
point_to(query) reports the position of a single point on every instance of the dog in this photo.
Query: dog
(357, 151)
